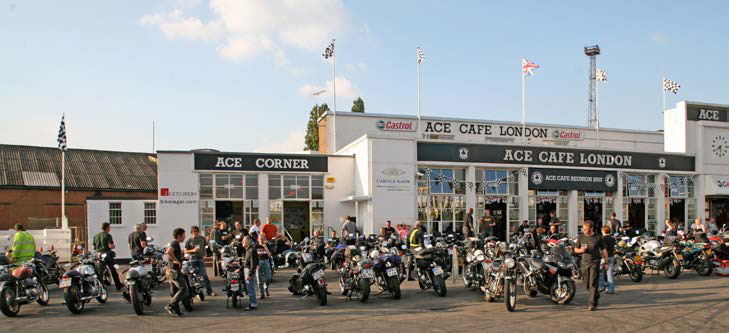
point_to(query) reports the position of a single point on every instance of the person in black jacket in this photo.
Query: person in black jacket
(178, 286)
(250, 264)
(468, 224)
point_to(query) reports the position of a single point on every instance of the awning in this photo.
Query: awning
(356, 198)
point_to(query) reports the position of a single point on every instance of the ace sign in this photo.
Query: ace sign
(713, 113)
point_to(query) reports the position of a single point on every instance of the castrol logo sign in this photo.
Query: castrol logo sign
(396, 125)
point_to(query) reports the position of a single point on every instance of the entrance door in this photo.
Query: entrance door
(678, 211)
(497, 209)
(719, 211)
(593, 211)
(228, 211)
(636, 213)
(544, 208)
(296, 219)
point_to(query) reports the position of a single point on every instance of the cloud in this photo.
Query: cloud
(345, 88)
(294, 143)
(244, 29)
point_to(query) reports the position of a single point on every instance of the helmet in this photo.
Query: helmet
(227, 251)
(148, 251)
(374, 254)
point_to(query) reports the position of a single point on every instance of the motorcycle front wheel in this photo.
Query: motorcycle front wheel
(439, 285)
(44, 296)
(529, 289)
(704, 266)
(364, 291)
(563, 293)
(510, 295)
(103, 295)
(136, 296)
(672, 269)
(73, 299)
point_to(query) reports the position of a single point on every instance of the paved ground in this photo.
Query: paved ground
(690, 303)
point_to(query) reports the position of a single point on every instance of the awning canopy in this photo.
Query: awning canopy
(356, 198)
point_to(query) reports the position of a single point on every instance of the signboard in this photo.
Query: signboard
(396, 125)
(717, 185)
(451, 152)
(394, 179)
(170, 196)
(260, 162)
(709, 113)
(573, 179)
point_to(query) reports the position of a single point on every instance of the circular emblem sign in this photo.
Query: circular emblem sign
(463, 153)
(609, 180)
(537, 178)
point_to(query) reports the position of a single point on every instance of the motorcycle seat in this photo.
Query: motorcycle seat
(536, 263)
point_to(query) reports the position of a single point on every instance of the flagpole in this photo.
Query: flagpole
(64, 222)
(663, 89)
(418, 125)
(523, 109)
(334, 85)
(597, 110)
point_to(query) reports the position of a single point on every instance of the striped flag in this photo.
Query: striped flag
(62, 134)
(421, 55)
(671, 86)
(600, 75)
(527, 67)
(329, 51)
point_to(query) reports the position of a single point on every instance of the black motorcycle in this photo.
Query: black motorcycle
(550, 275)
(53, 271)
(429, 268)
(310, 279)
(194, 278)
(356, 274)
(140, 280)
(388, 274)
(81, 284)
(22, 285)
(233, 278)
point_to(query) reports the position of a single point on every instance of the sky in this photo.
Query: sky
(238, 75)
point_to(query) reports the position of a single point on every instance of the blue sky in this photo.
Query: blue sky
(238, 75)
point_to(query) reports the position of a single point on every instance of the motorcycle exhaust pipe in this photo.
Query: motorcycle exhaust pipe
(22, 299)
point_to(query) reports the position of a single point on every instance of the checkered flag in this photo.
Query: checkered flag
(329, 51)
(671, 86)
(421, 55)
(600, 75)
(62, 134)
(441, 178)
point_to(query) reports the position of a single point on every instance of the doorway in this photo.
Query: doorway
(228, 211)
(593, 211)
(719, 210)
(636, 213)
(544, 207)
(296, 219)
(497, 209)
(677, 211)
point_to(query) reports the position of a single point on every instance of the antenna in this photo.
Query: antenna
(592, 52)
(319, 92)
(153, 151)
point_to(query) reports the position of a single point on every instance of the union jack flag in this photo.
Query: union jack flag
(527, 67)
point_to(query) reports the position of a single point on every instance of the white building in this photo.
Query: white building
(389, 167)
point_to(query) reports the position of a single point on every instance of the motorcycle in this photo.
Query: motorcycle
(356, 274)
(501, 277)
(474, 263)
(387, 267)
(140, 280)
(309, 279)
(551, 274)
(626, 261)
(429, 268)
(194, 277)
(81, 284)
(53, 270)
(697, 256)
(233, 278)
(665, 257)
(21, 286)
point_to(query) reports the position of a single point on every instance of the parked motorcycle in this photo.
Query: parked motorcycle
(429, 268)
(627, 261)
(665, 257)
(22, 285)
(309, 279)
(234, 281)
(81, 284)
(474, 263)
(140, 280)
(551, 274)
(53, 270)
(356, 273)
(388, 274)
(194, 277)
(697, 256)
(501, 277)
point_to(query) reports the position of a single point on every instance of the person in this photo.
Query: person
(524, 227)
(256, 228)
(554, 221)
(348, 227)
(282, 243)
(137, 241)
(388, 231)
(627, 227)
(697, 226)
(195, 247)
(591, 246)
(711, 226)
(178, 286)
(671, 229)
(488, 223)
(403, 232)
(333, 236)
(416, 239)
(540, 222)
(468, 223)
(220, 236)
(614, 223)
(23, 245)
(264, 266)
(607, 279)
(239, 229)
(104, 244)
(249, 265)
(553, 232)
(269, 229)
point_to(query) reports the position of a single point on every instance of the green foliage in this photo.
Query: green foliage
(358, 105)
(311, 139)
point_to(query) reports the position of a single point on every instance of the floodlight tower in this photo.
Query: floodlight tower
(592, 52)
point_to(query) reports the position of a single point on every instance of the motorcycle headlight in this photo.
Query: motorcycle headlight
(509, 262)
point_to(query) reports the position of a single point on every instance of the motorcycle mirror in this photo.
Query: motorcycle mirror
(403, 247)
(116, 266)
(79, 247)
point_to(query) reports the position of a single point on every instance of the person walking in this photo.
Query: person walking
(23, 245)
(264, 266)
(195, 247)
(468, 223)
(137, 241)
(269, 229)
(104, 244)
(178, 286)
(614, 223)
(250, 264)
(591, 246)
(607, 280)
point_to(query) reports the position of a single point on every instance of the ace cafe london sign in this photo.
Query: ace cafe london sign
(480, 132)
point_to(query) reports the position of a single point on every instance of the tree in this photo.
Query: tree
(311, 139)
(358, 105)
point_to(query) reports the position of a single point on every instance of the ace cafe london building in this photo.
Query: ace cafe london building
(390, 167)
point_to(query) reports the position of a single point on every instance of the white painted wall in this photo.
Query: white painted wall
(393, 182)
(132, 213)
(180, 210)
(46, 239)
(341, 168)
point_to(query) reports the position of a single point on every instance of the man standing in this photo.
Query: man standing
(137, 241)
(220, 236)
(349, 227)
(250, 263)
(468, 223)
(591, 246)
(607, 279)
(416, 239)
(614, 223)
(269, 229)
(256, 228)
(178, 286)
(104, 244)
(195, 247)
(488, 222)
(388, 230)
(554, 221)
(23, 245)
(239, 229)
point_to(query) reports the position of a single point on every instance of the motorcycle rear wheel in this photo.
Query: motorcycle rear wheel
(528, 289)
(510, 295)
(201, 296)
(187, 301)
(8, 305)
(704, 267)
(394, 283)
(44, 295)
(635, 273)
(672, 270)
(321, 295)
(136, 296)
(439, 285)
(364, 291)
(73, 300)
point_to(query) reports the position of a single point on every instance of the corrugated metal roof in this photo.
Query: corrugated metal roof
(29, 166)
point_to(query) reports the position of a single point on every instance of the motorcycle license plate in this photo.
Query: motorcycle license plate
(64, 283)
(234, 287)
(391, 272)
(680, 257)
(318, 275)
(437, 270)
(367, 273)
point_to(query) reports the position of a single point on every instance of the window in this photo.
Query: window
(251, 212)
(115, 213)
(635, 186)
(150, 213)
(678, 186)
(274, 186)
(296, 187)
(252, 187)
(317, 187)
(444, 181)
(206, 186)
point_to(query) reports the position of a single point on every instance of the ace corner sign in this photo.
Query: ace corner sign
(572, 179)
(261, 162)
